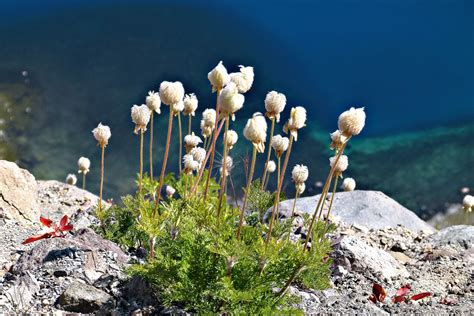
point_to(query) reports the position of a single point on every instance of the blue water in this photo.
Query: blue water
(410, 63)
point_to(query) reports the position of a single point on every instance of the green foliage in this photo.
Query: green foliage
(201, 265)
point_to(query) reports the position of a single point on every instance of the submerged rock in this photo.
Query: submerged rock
(371, 209)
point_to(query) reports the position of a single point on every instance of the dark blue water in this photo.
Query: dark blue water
(410, 63)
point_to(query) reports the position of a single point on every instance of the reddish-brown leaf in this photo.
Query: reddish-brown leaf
(398, 299)
(379, 292)
(36, 238)
(404, 290)
(372, 298)
(63, 222)
(67, 228)
(419, 296)
(46, 221)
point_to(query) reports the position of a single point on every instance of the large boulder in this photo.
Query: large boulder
(460, 235)
(371, 209)
(17, 193)
(84, 298)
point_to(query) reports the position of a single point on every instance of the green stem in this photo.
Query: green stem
(151, 146)
(330, 203)
(180, 143)
(165, 159)
(189, 124)
(83, 181)
(213, 147)
(224, 168)
(141, 163)
(269, 152)
(247, 190)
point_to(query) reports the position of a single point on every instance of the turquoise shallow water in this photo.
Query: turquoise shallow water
(409, 64)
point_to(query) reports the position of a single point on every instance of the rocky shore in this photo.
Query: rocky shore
(377, 241)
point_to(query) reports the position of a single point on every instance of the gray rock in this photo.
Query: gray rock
(362, 256)
(17, 193)
(371, 209)
(84, 298)
(460, 235)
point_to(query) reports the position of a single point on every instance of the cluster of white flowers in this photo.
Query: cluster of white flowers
(153, 101)
(102, 134)
(231, 138)
(348, 184)
(271, 166)
(228, 166)
(218, 77)
(256, 131)
(351, 122)
(190, 104)
(243, 79)
(296, 121)
(190, 164)
(199, 154)
(208, 122)
(83, 164)
(230, 100)
(468, 203)
(280, 144)
(299, 175)
(171, 92)
(342, 164)
(337, 140)
(141, 117)
(191, 141)
(275, 104)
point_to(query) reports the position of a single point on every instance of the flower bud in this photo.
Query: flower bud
(299, 174)
(351, 122)
(190, 164)
(341, 166)
(275, 104)
(271, 166)
(83, 164)
(228, 166)
(177, 107)
(170, 191)
(243, 79)
(230, 100)
(218, 77)
(171, 92)
(199, 154)
(209, 117)
(191, 141)
(337, 140)
(256, 131)
(71, 179)
(141, 117)
(300, 187)
(206, 130)
(280, 144)
(153, 101)
(231, 138)
(296, 121)
(190, 104)
(348, 184)
(468, 203)
(102, 134)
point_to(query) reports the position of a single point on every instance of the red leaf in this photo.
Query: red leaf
(67, 228)
(398, 299)
(46, 221)
(36, 238)
(372, 299)
(63, 222)
(379, 292)
(404, 290)
(419, 296)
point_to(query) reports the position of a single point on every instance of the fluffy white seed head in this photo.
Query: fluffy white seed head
(199, 154)
(296, 121)
(348, 184)
(231, 138)
(209, 117)
(342, 164)
(170, 191)
(141, 117)
(243, 79)
(190, 104)
(191, 141)
(228, 166)
(256, 131)
(468, 203)
(230, 100)
(71, 179)
(299, 174)
(218, 77)
(190, 164)
(102, 134)
(280, 144)
(275, 104)
(206, 130)
(300, 187)
(271, 166)
(337, 140)
(177, 107)
(351, 122)
(153, 101)
(83, 164)
(171, 92)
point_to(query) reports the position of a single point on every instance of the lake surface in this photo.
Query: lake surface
(65, 67)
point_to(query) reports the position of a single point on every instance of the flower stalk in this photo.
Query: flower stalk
(265, 169)
(151, 146)
(165, 159)
(247, 190)
(212, 150)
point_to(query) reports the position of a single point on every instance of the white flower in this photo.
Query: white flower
(275, 104)
(190, 164)
(71, 179)
(342, 164)
(206, 130)
(228, 166)
(351, 122)
(299, 174)
(256, 131)
(170, 191)
(280, 144)
(243, 79)
(300, 187)
(337, 139)
(177, 107)
(218, 77)
(230, 100)
(271, 166)
(199, 154)
(296, 121)
(171, 92)
(468, 203)
(231, 138)
(153, 101)
(191, 141)
(190, 104)
(83, 164)
(102, 134)
(209, 117)
(348, 184)
(141, 117)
